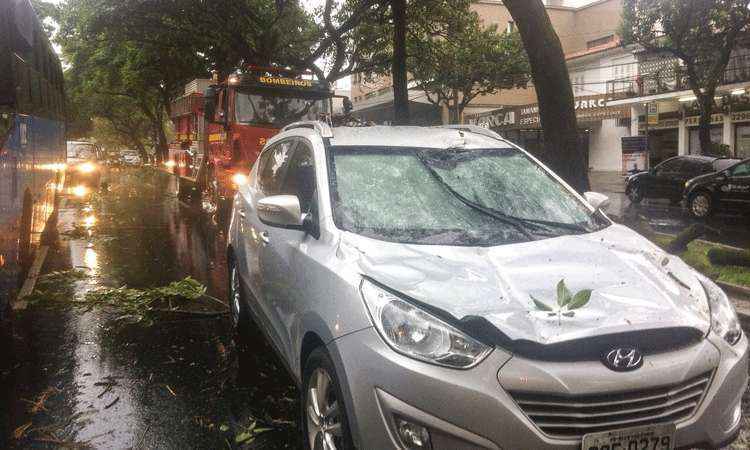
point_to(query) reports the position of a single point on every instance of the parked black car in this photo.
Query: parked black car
(667, 180)
(728, 189)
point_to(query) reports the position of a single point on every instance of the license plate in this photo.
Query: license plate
(649, 437)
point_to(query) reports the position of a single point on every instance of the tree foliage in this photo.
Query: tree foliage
(138, 54)
(701, 33)
(462, 60)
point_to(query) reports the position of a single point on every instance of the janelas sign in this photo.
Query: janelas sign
(588, 109)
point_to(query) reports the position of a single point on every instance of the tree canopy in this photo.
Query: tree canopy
(464, 60)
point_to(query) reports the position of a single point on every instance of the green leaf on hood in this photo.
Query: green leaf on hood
(563, 294)
(580, 299)
(539, 304)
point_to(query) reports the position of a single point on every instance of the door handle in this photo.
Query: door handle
(263, 236)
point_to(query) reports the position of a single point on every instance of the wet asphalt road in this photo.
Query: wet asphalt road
(81, 378)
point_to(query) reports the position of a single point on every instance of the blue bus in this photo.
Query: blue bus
(32, 139)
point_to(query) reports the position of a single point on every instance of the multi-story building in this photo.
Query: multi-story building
(620, 92)
(580, 29)
(663, 107)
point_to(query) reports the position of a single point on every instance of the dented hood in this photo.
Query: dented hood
(635, 285)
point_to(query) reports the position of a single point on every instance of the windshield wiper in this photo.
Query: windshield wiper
(510, 220)
(520, 223)
(551, 223)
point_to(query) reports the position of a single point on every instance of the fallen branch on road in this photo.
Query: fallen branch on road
(140, 305)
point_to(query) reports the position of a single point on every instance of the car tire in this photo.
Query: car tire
(700, 205)
(634, 193)
(237, 303)
(323, 413)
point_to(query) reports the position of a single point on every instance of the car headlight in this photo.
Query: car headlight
(418, 334)
(724, 321)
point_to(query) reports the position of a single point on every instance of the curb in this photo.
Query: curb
(703, 241)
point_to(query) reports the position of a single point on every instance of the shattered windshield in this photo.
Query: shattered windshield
(452, 196)
(277, 110)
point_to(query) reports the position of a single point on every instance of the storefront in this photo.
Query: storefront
(601, 128)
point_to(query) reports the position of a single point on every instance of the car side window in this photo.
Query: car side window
(694, 168)
(300, 178)
(741, 170)
(668, 166)
(274, 164)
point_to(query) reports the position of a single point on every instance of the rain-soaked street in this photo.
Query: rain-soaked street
(95, 377)
(91, 376)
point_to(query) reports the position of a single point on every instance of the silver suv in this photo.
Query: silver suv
(439, 288)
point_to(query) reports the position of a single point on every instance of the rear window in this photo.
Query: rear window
(723, 164)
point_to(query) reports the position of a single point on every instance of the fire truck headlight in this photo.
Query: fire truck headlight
(233, 79)
(86, 167)
(80, 191)
(170, 163)
(239, 179)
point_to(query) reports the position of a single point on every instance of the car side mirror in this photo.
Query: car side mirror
(596, 200)
(281, 211)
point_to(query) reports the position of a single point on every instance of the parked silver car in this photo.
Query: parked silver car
(439, 288)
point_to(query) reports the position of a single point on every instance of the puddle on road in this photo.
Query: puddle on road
(180, 383)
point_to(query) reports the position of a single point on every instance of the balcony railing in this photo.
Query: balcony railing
(670, 76)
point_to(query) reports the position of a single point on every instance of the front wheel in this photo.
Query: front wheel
(324, 418)
(700, 205)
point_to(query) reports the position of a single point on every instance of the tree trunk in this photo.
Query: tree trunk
(704, 124)
(453, 107)
(554, 92)
(401, 114)
(162, 147)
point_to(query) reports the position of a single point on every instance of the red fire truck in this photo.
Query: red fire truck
(221, 132)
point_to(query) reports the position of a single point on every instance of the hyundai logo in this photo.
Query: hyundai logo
(623, 359)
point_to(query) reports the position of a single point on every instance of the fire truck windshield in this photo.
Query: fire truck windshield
(277, 110)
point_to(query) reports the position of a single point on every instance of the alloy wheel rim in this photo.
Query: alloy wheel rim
(322, 413)
(235, 296)
(700, 205)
